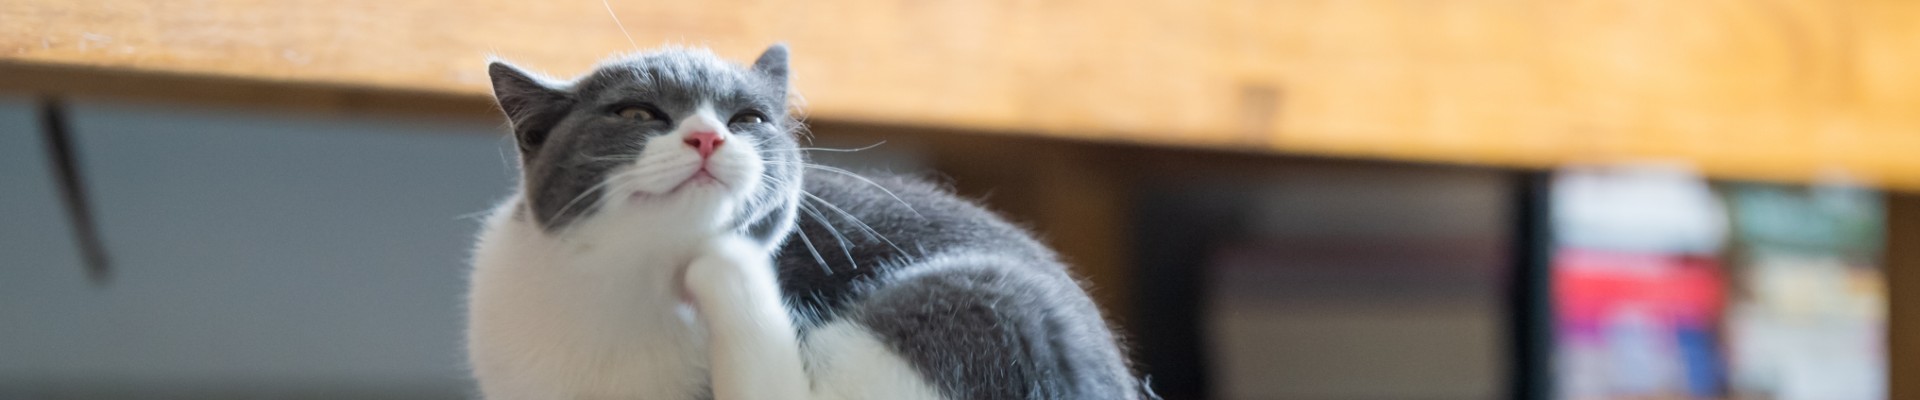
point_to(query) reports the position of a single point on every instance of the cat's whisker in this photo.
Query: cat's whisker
(607, 159)
(856, 220)
(766, 192)
(806, 211)
(476, 215)
(592, 190)
(815, 213)
(850, 174)
(815, 251)
(835, 231)
(583, 160)
(616, 23)
(837, 150)
(869, 182)
(599, 200)
(500, 146)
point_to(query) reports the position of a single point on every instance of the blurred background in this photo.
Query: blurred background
(1287, 199)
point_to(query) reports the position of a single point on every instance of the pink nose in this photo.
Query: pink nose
(705, 142)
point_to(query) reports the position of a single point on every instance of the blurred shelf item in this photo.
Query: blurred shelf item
(1807, 319)
(1751, 90)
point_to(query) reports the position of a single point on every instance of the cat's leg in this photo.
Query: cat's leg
(849, 363)
(984, 327)
(753, 350)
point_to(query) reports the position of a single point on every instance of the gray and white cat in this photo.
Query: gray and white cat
(670, 241)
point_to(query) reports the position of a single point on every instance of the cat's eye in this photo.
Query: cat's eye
(636, 113)
(749, 117)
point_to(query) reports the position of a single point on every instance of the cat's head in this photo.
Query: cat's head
(674, 132)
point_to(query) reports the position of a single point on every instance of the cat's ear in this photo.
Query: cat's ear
(773, 65)
(532, 104)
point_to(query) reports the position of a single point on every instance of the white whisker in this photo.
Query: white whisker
(850, 174)
(590, 191)
(856, 220)
(814, 250)
(837, 150)
(616, 23)
(835, 231)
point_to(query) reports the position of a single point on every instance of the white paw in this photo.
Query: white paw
(729, 269)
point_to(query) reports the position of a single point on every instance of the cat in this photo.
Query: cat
(670, 240)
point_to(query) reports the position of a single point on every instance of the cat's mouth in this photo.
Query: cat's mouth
(700, 179)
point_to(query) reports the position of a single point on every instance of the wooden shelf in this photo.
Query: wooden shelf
(1784, 90)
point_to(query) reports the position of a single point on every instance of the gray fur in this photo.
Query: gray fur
(982, 309)
(979, 307)
(570, 140)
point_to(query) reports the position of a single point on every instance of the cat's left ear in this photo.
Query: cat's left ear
(531, 103)
(773, 65)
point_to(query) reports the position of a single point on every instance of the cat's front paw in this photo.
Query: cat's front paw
(727, 270)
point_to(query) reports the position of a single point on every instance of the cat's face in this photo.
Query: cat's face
(673, 132)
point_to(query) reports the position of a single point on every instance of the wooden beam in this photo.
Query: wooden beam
(1779, 90)
(1903, 296)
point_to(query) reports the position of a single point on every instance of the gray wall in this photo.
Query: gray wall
(256, 254)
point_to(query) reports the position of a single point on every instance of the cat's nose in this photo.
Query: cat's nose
(705, 142)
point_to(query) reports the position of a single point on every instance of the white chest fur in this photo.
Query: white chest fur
(602, 315)
(582, 318)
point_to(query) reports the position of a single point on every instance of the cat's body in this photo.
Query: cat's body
(694, 266)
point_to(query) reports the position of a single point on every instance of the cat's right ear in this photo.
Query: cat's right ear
(772, 64)
(532, 104)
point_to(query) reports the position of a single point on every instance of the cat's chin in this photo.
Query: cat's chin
(689, 206)
(699, 185)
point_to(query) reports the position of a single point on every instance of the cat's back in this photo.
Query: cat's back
(880, 214)
(853, 228)
(975, 303)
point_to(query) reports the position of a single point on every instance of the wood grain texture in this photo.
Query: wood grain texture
(1766, 89)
